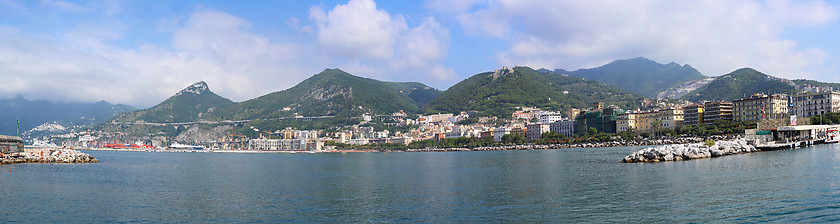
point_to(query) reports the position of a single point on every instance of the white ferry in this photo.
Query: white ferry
(186, 147)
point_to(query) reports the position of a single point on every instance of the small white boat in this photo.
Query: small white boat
(832, 136)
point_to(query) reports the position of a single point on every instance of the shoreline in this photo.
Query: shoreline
(609, 144)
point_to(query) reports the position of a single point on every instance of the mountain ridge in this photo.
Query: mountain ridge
(740, 83)
(34, 113)
(496, 93)
(639, 75)
(187, 105)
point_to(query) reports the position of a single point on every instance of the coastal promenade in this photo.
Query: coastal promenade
(623, 143)
(685, 140)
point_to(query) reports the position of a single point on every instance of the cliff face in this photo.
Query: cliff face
(682, 89)
(196, 134)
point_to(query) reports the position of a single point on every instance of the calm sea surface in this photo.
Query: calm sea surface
(565, 185)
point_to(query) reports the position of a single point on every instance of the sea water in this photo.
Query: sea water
(562, 185)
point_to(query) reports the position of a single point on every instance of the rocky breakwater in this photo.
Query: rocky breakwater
(679, 152)
(48, 156)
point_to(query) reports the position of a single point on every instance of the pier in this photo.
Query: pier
(788, 137)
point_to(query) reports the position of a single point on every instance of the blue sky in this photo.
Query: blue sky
(141, 52)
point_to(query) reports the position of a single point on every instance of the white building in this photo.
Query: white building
(815, 104)
(454, 134)
(359, 141)
(499, 132)
(535, 131)
(277, 144)
(548, 118)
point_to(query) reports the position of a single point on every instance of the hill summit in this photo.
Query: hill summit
(189, 104)
(333, 92)
(196, 88)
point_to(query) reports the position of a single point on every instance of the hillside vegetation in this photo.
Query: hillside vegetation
(190, 104)
(332, 92)
(497, 93)
(739, 84)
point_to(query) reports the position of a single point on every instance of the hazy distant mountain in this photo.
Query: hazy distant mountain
(333, 92)
(34, 113)
(190, 104)
(496, 93)
(739, 84)
(420, 93)
(639, 75)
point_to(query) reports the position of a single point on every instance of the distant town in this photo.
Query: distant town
(669, 118)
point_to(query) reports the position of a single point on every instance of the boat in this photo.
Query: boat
(832, 135)
(186, 147)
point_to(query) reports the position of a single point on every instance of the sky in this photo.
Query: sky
(141, 52)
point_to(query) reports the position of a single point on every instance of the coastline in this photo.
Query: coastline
(609, 144)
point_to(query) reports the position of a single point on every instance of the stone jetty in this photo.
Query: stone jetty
(47, 156)
(679, 152)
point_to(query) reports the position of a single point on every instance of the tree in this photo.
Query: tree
(591, 131)
(656, 126)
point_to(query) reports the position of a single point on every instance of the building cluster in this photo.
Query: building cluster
(779, 108)
(530, 123)
(289, 140)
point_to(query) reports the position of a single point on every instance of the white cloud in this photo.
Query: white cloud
(380, 45)
(442, 73)
(211, 45)
(716, 37)
(422, 44)
(357, 29)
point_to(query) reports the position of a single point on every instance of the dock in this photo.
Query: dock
(788, 137)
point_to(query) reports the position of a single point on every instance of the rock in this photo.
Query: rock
(678, 151)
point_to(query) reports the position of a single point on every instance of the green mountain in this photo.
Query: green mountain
(496, 93)
(738, 84)
(190, 104)
(331, 93)
(639, 75)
